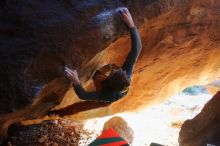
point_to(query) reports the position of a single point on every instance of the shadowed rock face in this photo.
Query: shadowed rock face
(204, 128)
(37, 38)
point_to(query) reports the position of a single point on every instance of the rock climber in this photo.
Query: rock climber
(111, 82)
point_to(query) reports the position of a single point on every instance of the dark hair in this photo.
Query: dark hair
(118, 81)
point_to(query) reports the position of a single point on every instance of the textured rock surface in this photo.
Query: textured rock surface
(121, 126)
(204, 128)
(39, 37)
(181, 47)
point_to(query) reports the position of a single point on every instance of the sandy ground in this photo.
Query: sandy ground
(161, 123)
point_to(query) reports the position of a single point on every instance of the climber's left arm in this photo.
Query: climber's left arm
(135, 51)
(135, 41)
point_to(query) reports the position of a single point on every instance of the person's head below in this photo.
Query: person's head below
(117, 80)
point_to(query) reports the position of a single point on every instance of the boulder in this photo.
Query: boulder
(121, 126)
(204, 128)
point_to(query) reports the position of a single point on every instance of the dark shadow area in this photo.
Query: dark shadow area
(2, 3)
(215, 139)
(78, 107)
